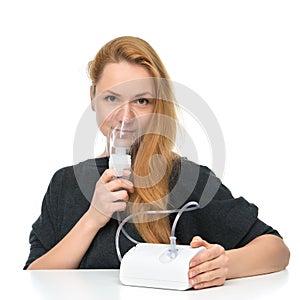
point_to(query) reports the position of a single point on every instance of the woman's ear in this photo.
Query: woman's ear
(92, 95)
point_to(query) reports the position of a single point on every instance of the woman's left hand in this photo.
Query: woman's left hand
(208, 268)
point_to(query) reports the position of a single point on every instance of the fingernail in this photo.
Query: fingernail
(195, 239)
(192, 264)
(192, 274)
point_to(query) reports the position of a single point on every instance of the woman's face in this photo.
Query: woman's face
(124, 98)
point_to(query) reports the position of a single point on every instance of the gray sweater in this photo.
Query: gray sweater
(222, 219)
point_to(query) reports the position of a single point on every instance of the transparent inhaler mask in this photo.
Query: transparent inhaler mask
(125, 133)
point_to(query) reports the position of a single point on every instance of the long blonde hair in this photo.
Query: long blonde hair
(154, 194)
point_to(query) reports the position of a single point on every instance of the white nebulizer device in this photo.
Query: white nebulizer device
(163, 266)
(147, 265)
(120, 158)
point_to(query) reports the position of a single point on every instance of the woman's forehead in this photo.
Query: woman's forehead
(123, 75)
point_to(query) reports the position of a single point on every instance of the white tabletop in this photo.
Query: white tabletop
(105, 284)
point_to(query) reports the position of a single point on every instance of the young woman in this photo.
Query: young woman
(77, 225)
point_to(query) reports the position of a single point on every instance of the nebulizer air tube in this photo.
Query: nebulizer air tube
(172, 249)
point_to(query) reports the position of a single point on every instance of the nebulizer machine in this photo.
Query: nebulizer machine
(148, 265)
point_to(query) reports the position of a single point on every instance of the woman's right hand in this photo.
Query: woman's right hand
(109, 196)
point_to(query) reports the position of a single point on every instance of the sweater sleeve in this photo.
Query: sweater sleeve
(222, 218)
(44, 232)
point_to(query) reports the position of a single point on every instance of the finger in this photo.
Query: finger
(197, 241)
(219, 262)
(126, 173)
(120, 183)
(119, 206)
(215, 282)
(212, 252)
(121, 195)
(110, 173)
(209, 276)
(107, 176)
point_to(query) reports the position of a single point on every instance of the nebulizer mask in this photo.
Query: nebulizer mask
(124, 136)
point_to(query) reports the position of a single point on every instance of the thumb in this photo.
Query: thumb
(197, 241)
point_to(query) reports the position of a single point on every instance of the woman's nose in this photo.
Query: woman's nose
(125, 113)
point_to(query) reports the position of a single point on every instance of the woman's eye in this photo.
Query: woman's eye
(110, 98)
(142, 101)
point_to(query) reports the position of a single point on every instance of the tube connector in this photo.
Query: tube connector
(173, 251)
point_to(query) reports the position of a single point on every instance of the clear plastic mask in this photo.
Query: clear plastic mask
(124, 135)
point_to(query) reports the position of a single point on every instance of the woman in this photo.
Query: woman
(72, 232)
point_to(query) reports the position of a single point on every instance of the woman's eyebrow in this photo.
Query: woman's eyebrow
(112, 92)
(144, 94)
(137, 95)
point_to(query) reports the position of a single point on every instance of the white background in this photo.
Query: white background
(242, 57)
